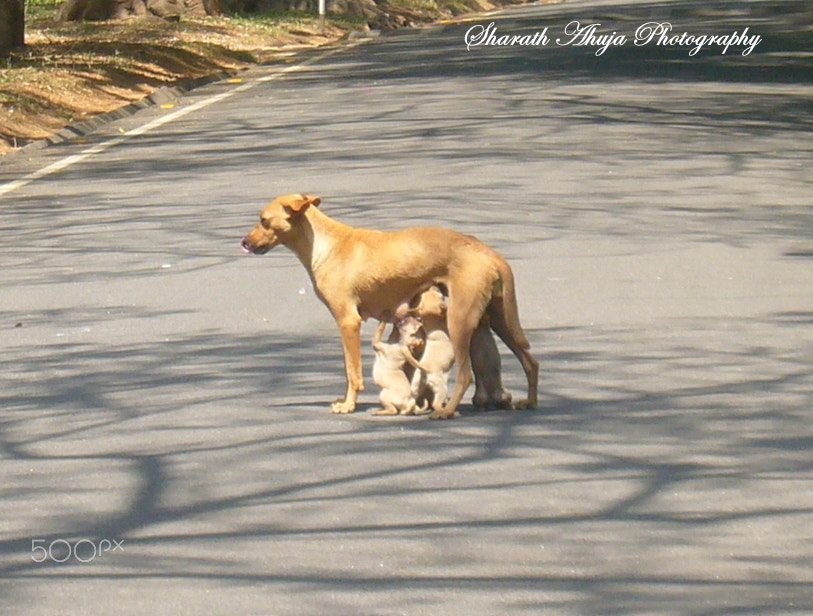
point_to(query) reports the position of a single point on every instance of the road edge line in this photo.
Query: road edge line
(68, 161)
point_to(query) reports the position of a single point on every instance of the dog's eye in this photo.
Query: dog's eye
(265, 222)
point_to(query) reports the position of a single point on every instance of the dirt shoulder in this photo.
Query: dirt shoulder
(70, 72)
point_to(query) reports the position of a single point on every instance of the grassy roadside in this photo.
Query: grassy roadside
(69, 72)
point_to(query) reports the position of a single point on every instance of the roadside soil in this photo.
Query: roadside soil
(70, 72)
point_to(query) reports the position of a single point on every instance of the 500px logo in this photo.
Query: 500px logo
(62, 550)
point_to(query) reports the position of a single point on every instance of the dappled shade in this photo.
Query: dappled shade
(98, 10)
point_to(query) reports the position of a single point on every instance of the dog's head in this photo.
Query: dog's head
(277, 220)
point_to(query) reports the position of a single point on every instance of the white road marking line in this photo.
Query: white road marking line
(68, 161)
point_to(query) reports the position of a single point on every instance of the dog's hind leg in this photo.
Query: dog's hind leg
(505, 322)
(529, 363)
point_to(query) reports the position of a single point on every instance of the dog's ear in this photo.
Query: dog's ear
(314, 201)
(300, 203)
(297, 204)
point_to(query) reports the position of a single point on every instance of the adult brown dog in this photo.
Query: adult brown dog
(363, 273)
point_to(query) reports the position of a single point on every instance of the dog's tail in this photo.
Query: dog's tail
(503, 309)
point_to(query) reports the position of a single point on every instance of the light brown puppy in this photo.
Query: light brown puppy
(361, 273)
(431, 380)
(392, 357)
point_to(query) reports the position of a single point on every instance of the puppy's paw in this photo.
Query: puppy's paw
(342, 407)
(385, 412)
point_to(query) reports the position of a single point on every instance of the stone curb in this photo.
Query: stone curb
(164, 95)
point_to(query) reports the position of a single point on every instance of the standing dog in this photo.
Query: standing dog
(363, 273)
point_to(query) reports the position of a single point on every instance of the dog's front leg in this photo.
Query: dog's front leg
(350, 328)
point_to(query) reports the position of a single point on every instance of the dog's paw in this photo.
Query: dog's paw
(524, 405)
(480, 400)
(443, 414)
(342, 407)
(502, 400)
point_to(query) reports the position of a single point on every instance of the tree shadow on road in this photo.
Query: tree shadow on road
(634, 456)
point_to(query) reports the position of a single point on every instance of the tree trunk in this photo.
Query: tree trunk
(98, 10)
(12, 25)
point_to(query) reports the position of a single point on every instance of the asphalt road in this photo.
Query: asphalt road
(164, 424)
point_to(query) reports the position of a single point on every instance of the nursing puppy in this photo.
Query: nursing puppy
(390, 367)
(431, 381)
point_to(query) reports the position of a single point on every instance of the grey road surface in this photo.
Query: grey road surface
(165, 441)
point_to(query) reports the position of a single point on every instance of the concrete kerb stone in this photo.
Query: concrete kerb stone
(164, 95)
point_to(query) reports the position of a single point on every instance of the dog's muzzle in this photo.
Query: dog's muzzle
(246, 247)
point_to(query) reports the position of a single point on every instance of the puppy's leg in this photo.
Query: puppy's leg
(479, 364)
(395, 402)
(386, 409)
(350, 329)
(379, 334)
(460, 332)
(438, 382)
(463, 379)
(409, 406)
